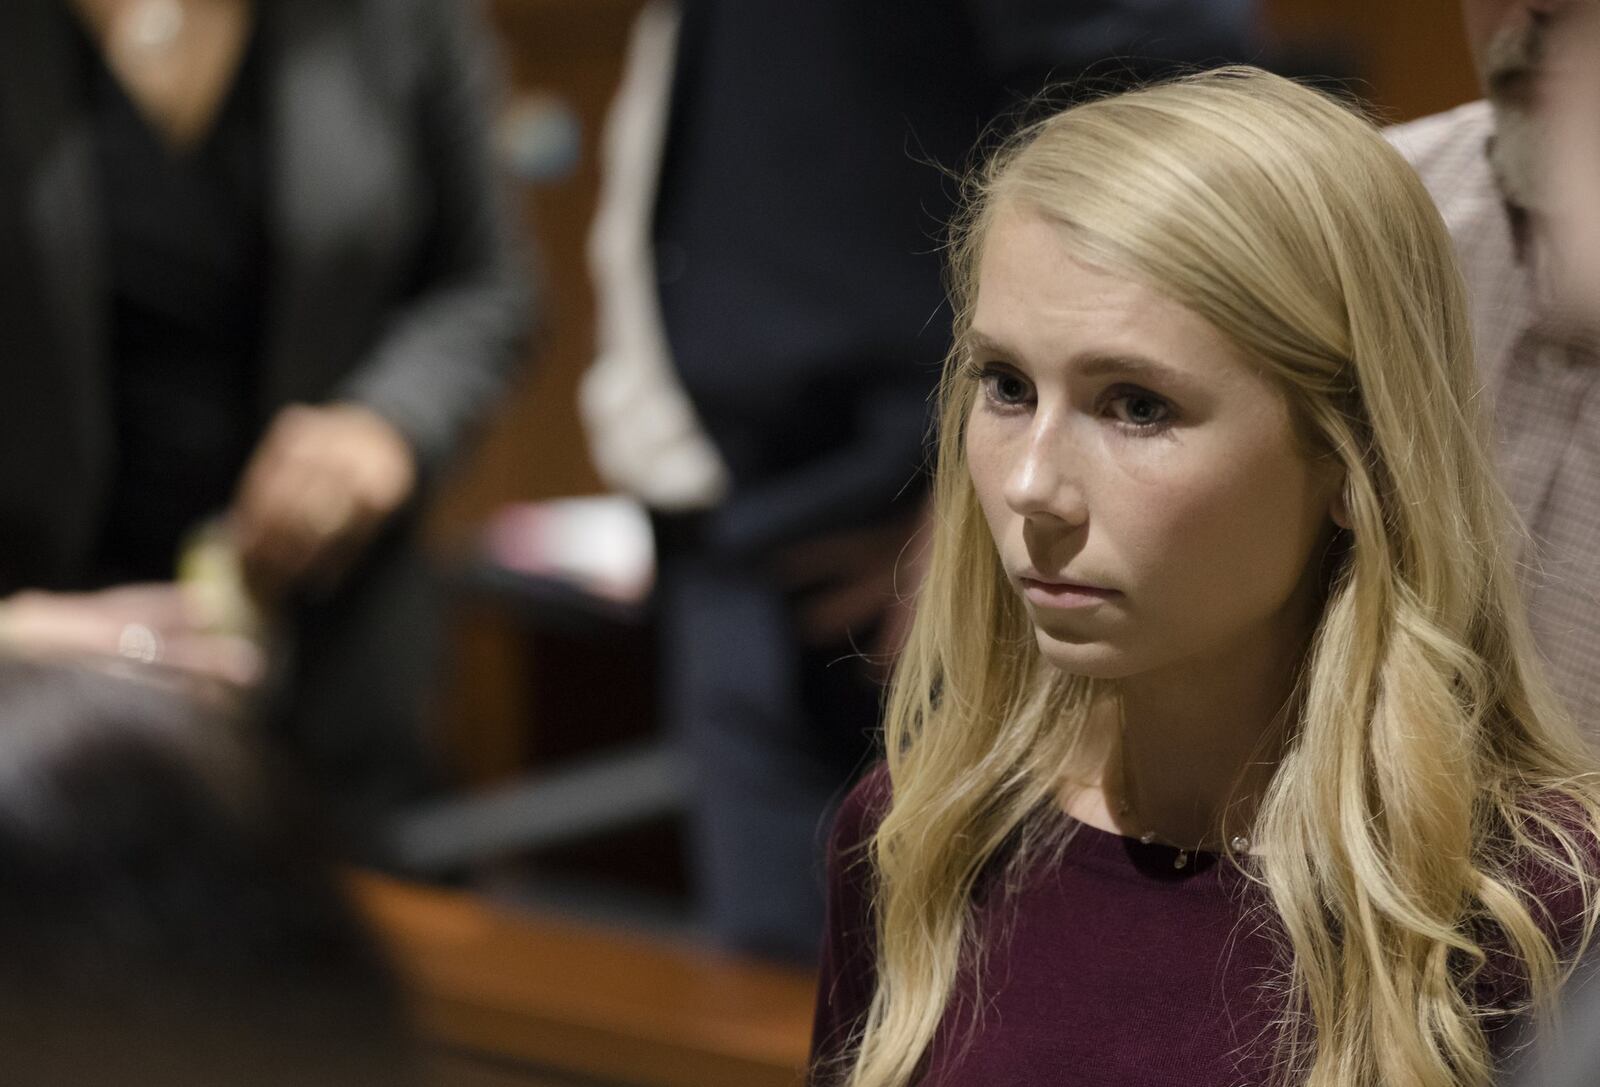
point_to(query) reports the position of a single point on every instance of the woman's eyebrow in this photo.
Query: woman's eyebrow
(1119, 364)
(1087, 363)
(973, 342)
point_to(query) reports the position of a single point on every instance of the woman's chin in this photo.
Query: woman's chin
(1091, 658)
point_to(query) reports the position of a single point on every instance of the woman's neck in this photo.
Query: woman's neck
(1192, 770)
(175, 59)
(1187, 754)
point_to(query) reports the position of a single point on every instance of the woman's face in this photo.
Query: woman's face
(1140, 476)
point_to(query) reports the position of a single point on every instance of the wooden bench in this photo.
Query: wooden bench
(530, 996)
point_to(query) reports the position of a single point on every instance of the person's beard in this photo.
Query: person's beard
(1511, 66)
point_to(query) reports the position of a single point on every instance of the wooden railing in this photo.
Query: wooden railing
(517, 991)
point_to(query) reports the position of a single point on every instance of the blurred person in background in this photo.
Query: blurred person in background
(168, 914)
(1572, 90)
(255, 265)
(1522, 239)
(767, 266)
(1570, 93)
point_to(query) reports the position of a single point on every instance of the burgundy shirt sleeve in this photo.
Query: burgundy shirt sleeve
(849, 945)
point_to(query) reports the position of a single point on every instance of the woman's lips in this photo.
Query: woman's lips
(1063, 594)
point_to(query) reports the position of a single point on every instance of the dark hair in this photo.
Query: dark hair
(167, 912)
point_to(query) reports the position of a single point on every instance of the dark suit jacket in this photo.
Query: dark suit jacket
(395, 280)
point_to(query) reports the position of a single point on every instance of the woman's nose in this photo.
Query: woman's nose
(1044, 481)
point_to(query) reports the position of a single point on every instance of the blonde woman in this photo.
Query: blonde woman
(1219, 754)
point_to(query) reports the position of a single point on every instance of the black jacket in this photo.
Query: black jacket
(395, 280)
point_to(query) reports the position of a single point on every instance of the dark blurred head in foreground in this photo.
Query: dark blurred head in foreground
(166, 914)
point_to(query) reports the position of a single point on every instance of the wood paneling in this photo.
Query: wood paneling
(450, 1069)
(1413, 53)
(571, 51)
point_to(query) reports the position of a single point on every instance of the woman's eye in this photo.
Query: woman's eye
(1140, 410)
(1005, 387)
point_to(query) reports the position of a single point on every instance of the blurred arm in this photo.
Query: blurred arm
(644, 435)
(448, 353)
(153, 624)
(326, 479)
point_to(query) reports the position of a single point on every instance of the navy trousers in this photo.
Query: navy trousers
(775, 732)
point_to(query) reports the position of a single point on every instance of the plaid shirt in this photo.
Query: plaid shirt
(1545, 387)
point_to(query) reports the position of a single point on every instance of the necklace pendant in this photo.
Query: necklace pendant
(1181, 860)
(1240, 844)
(154, 25)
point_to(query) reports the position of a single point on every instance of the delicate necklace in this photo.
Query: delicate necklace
(1239, 844)
(154, 26)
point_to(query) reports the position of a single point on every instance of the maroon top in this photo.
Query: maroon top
(1108, 967)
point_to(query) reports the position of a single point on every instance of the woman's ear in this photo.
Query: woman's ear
(1338, 507)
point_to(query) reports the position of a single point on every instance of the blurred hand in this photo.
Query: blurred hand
(1572, 87)
(859, 579)
(154, 623)
(319, 487)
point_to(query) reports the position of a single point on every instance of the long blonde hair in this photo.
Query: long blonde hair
(1429, 765)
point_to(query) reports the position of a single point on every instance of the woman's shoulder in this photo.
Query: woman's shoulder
(1552, 858)
(848, 970)
(850, 871)
(860, 812)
